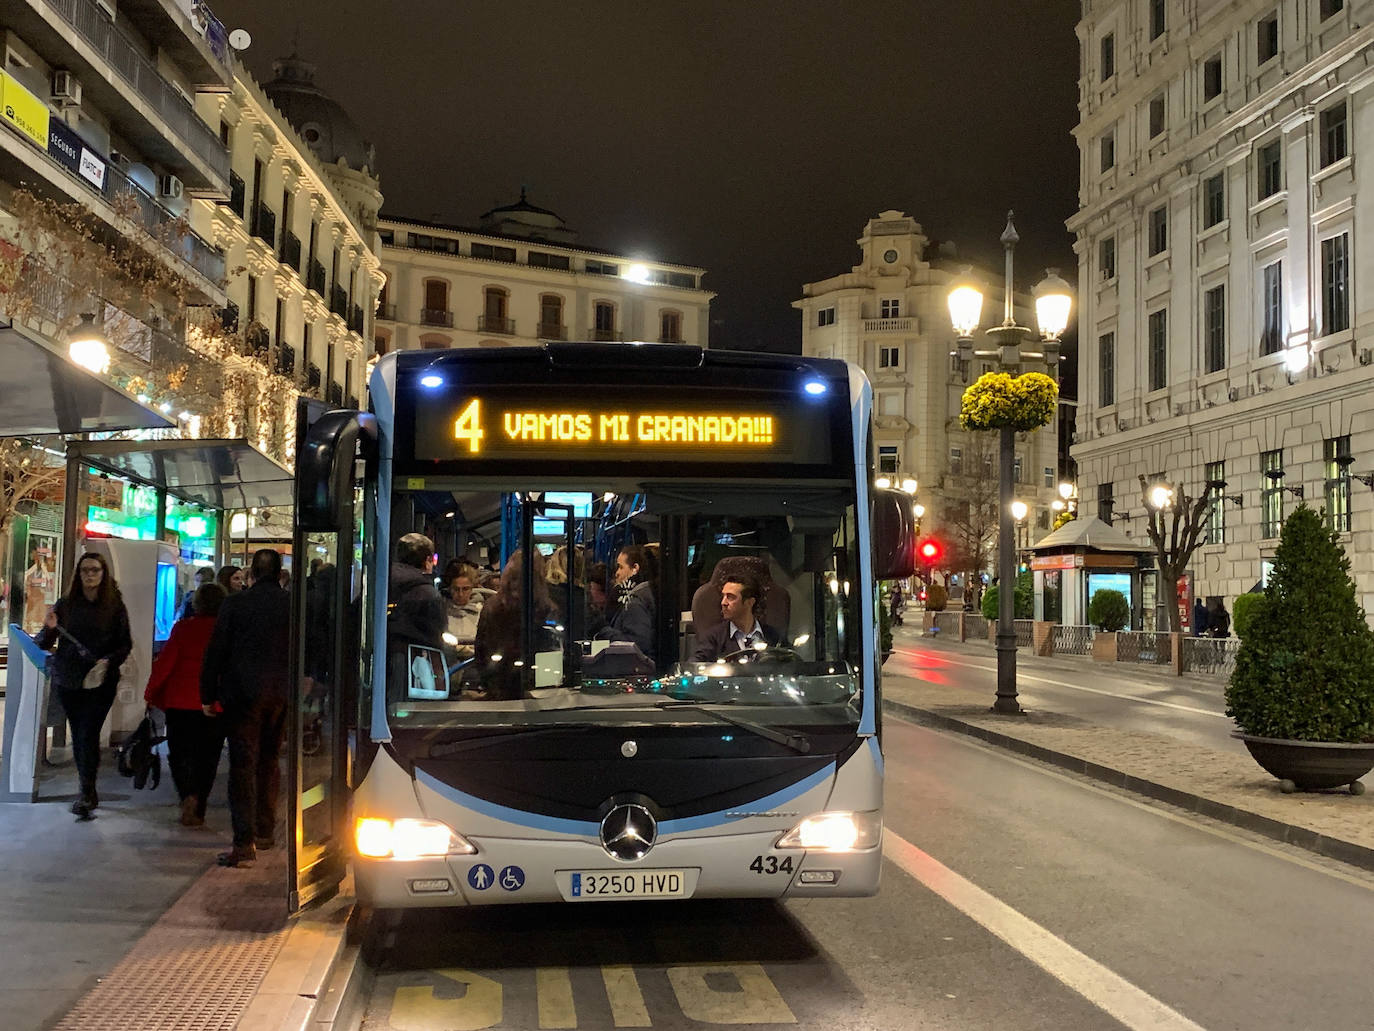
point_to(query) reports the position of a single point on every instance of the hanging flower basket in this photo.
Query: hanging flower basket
(998, 401)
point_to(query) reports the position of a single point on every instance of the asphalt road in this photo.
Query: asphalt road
(1117, 695)
(1013, 897)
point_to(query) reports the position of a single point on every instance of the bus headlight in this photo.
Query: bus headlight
(835, 832)
(408, 839)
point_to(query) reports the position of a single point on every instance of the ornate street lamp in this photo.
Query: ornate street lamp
(1007, 347)
(88, 347)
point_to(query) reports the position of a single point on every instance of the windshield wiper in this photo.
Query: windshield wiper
(796, 742)
(472, 744)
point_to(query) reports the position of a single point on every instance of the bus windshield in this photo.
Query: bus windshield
(576, 602)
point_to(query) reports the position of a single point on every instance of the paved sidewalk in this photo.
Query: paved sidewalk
(1227, 786)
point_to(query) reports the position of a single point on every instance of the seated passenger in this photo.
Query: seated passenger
(632, 616)
(463, 608)
(497, 643)
(741, 605)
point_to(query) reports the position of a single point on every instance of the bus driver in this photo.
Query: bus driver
(741, 603)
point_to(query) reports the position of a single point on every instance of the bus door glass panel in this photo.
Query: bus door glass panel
(328, 599)
(560, 633)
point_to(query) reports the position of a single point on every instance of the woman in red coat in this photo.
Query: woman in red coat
(194, 740)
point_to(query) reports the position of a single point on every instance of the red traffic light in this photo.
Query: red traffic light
(929, 551)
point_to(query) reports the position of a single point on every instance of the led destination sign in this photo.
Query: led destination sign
(492, 426)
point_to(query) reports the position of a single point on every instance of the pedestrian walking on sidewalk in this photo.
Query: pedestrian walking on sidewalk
(1219, 620)
(90, 626)
(244, 672)
(1199, 618)
(194, 740)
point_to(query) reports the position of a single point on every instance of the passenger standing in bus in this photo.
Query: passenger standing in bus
(194, 740)
(230, 578)
(245, 674)
(415, 612)
(463, 609)
(596, 598)
(89, 625)
(498, 628)
(632, 618)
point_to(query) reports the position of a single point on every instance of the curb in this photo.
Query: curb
(1288, 833)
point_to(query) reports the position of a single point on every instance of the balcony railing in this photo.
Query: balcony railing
(338, 301)
(257, 342)
(675, 338)
(172, 231)
(265, 224)
(130, 64)
(238, 194)
(604, 334)
(495, 324)
(312, 377)
(436, 317)
(291, 250)
(900, 325)
(351, 402)
(552, 331)
(335, 395)
(286, 361)
(315, 280)
(356, 319)
(387, 312)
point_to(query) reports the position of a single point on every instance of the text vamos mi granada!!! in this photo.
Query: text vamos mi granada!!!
(585, 427)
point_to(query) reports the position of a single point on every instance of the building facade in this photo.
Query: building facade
(519, 277)
(1224, 336)
(889, 315)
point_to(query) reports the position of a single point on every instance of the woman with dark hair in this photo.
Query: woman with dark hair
(194, 740)
(497, 647)
(230, 578)
(632, 615)
(89, 625)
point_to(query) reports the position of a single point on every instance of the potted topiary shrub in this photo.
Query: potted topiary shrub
(936, 598)
(1302, 692)
(1109, 611)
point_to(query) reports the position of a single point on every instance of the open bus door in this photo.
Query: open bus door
(327, 607)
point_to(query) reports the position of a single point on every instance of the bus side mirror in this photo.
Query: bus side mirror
(894, 535)
(324, 466)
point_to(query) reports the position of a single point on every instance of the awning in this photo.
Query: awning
(41, 392)
(215, 473)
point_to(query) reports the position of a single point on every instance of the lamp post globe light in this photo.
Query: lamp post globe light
(88, 347)
(1007, 347)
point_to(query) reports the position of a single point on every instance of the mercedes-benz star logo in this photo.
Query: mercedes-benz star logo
(628, 832)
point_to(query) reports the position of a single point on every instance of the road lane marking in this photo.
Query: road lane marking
(627, 1001)
(1076, 687)
(1109, 992)
(417, 1008)
(553, 988)
(748, 996)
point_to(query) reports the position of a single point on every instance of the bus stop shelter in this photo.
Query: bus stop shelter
(1083, 556)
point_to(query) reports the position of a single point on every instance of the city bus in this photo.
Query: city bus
(557, 756)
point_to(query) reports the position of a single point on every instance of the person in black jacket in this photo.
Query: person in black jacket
(244, 674)
(88, 623)
(632, 618)
(740, 628)
(415, 610)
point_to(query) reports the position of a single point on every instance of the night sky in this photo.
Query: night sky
(752, 139)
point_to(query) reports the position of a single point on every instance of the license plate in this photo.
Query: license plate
(592, 885)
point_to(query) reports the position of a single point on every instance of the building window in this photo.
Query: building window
(956, 461)
(670, 327)
(1270, 169)
(889, 358)
(1106, 257)
(1016, 469)
(1329, 7)
(887, 458)
(1108, 151)
(1334, 137)
(1214, 327)
(1267, 37)
(1049, 476)
(1215, 533)
(1336, 454)
(550, 317)
(1158, 336)
(381, 343)
(1336, 284)
(492, 252)
(825, 317)
(1159, 231)
(1156, 115)
(1213, 201)
(540, 259)
(1271, 494)
(1157, 18)
(890, 308)
(1271, 296)
(1105, 502)
(1108, 56)
(603, 321)
(1211, 78)
(1106, 369)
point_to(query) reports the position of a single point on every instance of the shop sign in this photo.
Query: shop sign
(23, 110)
(70, 151)
(1185, 602)
(1056, 561)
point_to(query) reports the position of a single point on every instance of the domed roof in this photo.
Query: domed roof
(523, 219)
(323, 124)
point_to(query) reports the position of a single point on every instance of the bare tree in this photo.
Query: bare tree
(971, 512)
(1176, 530)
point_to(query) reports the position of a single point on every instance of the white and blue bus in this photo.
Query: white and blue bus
(553, 755)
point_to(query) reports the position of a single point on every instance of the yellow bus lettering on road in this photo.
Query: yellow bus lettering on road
(417, 1008)
(553, 987)
(627, 1001)
(734, 993)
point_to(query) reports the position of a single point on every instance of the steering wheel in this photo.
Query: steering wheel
(776, 653)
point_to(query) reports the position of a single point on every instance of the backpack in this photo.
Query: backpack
(136, 756)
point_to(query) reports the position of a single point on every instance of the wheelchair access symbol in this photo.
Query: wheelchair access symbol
(480, 877)
(512, 878)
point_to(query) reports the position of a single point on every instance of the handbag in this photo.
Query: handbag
(137, 757)
(95, 676)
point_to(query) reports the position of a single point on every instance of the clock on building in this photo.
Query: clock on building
(889, 256)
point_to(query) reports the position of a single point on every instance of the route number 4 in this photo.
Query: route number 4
(771, 864)
(469, 426)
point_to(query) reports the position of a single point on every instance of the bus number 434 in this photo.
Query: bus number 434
(771, 864)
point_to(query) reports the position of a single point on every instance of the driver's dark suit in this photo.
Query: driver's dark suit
(723, 638)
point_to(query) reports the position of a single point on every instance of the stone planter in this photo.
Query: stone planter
(1104, 647)
(1311, 765)
(927, 622)
(1042, 637)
